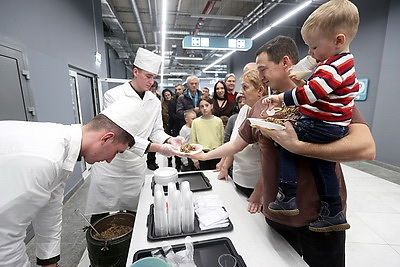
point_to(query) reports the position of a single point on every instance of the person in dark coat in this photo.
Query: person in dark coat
(190, 99)
(175, 122)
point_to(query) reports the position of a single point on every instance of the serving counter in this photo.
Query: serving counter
(253, 240)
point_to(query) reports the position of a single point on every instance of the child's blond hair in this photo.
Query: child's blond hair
(332, 18)
(188, 112)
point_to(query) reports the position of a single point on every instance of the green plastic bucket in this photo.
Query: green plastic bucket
(111, 252)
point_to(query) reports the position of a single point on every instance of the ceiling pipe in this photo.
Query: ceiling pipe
(207, 9)
(240, 24)
(178, 9)
(139, 21)
(256, 14)
(256, 18)
(177, 32)
(152, 20)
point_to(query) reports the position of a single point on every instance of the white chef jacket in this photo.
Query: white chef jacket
(35, 161)
(116, 186)
(246, 163)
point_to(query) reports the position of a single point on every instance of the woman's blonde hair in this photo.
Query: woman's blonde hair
(332, 18)
(253, 77)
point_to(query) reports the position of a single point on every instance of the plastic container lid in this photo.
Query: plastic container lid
(150, 262)
(165, 175)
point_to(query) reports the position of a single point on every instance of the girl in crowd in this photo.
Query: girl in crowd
(207, 131)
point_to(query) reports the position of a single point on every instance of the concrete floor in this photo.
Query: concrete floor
(73, 243)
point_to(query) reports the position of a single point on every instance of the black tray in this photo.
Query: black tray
(151, 236)
(206, 252)
(198, 182)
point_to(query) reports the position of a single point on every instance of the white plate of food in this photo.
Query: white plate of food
(191, 149)
(266, 124)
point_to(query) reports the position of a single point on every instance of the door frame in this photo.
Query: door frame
(74, 72)
(17, 51)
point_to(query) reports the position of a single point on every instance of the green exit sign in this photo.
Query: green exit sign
(216, 43)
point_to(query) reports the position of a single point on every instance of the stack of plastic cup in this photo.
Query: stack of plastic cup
(174, 210)
(187, 212)
(160, 213)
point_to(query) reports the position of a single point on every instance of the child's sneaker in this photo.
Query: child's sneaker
(288, 208)
(324, 223)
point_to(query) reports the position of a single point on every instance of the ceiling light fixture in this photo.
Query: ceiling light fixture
(189, 58)
(276, 23)
(178, 73)
(215, 71)
(210, 16)
(163, 35)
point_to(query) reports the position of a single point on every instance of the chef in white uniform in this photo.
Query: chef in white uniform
(36, 159)
(117, 186)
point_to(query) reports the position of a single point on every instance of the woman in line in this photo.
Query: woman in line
(246, 164)
(222, 106)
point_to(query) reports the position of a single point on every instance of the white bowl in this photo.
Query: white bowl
(165, 175)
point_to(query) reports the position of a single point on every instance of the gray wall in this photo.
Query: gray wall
(377, 56)
(385, 120)
(54, 34)
(116, 68)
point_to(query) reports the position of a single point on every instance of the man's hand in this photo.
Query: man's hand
(176, 141)
(287, 138)
(168, 150)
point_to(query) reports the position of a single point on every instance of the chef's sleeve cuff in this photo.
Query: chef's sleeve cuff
(48, 261)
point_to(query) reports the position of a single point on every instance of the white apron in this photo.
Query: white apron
(116, 186)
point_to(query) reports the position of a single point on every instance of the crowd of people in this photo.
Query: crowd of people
(138, 120)
(176, 105)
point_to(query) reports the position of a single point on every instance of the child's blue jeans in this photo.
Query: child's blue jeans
(314, 131)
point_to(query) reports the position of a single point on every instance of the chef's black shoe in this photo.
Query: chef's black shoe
(152, 166)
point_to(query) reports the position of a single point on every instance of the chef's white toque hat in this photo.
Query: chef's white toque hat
(147, 60)
(127, 113)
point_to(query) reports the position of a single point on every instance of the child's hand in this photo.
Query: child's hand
(271, 102)
(293, 77)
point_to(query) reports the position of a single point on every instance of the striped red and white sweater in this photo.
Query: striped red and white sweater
(330, 91)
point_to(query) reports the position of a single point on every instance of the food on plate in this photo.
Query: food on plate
(187, 148)
(276, 120)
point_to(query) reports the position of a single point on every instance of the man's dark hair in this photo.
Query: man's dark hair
(101, 122)
(279, 47)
